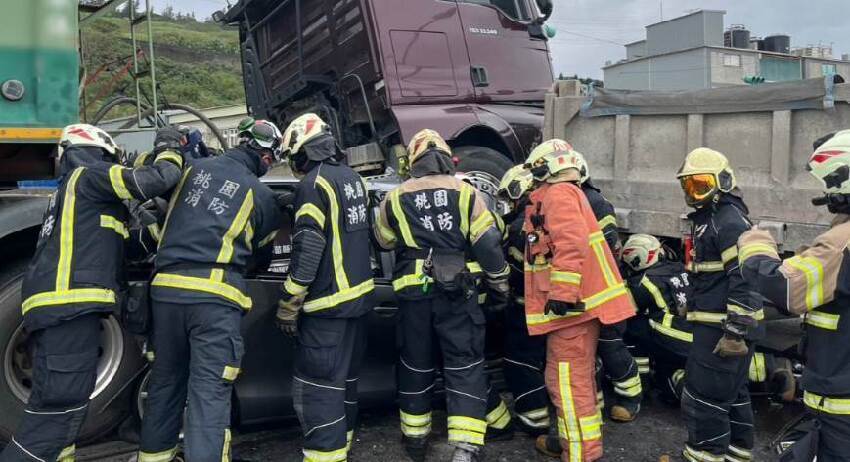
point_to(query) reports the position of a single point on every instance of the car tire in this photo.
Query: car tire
(484, 166)
(120, 361)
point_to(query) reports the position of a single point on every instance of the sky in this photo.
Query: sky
(591, 32)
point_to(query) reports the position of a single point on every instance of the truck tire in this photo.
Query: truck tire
(484, 166)
(120, 360)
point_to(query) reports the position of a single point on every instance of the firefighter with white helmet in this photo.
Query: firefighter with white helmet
(572, 286)
(525, 355)
(327, 294)
(618, 365)
(810, 284)
(220, 217)
(74, 280)
(660, 287)
(724, 313)
(436, 222)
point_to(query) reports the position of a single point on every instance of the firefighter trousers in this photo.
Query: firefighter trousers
(198, 350)
(570, 380)
(457, 327)
(523, 365)
(328, 357)
(64, 374)
(619, 365)
(716, 402)
(833, 436)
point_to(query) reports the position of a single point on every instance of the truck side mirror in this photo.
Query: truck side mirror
(218, 16)
(545, 7)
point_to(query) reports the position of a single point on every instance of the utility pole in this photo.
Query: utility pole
(661, 9)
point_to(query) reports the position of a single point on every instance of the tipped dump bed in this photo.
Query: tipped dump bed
(636, 141)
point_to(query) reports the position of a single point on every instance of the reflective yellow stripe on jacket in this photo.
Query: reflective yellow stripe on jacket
(208, 285)
(64, 294)
(839, 406)
(590, 303)
(813, 271)
(114, 224)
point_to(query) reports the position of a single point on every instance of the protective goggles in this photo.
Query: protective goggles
(513, 191)
(699, 187)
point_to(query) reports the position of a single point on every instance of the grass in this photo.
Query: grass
(197, 62)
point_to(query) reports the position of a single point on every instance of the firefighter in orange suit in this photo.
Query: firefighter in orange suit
(572, 287)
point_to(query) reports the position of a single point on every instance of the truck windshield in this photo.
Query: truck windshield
(514, 9)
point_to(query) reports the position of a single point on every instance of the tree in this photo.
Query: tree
(168, 12)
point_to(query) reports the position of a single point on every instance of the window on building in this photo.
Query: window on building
(731, 60)
(514, 9)
(827, 69)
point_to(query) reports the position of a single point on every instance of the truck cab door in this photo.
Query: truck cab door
(423, 51)
(509, 58)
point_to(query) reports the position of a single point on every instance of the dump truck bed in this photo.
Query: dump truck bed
(636, 141)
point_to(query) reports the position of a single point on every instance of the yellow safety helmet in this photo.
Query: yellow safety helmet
(303, 129)
(641, 251)
(704, 173)
(553, 157)
(426, 141)
(830, 164)
(515, 182)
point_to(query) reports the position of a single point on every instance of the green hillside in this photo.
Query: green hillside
(197, 63)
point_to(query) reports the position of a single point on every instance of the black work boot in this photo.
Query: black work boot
(416, 448)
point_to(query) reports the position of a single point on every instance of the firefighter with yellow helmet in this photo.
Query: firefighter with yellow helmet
(572, 287)
(724, 314)
(327, 293)
(75, 277)
(436, 222)
(811, 284)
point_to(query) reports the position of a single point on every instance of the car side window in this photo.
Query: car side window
(514, 9)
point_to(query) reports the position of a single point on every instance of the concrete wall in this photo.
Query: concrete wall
(724, 75)
(812, 68)
(636, 50)
(628, 76)
(635, 159)
(677, 71)
(703, 28)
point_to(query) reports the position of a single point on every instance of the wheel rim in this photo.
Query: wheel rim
(17, 362)
(489, 185)
(483, 182)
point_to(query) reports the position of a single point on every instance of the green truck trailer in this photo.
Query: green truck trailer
(39, 84)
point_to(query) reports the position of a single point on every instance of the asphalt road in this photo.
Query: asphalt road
(658, 430)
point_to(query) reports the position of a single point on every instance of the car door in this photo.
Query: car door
(423, 53)
(508, 63)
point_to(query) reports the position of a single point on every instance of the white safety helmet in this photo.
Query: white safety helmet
(641, 251)
(830, 164)
(302, 130)
(86, 135)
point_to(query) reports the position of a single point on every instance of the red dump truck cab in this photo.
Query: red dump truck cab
(380, 70)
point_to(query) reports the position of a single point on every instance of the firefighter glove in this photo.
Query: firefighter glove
(731, 345)
(146, 213)
(168, 139)
(499, 286)
(288, 309)
(560, 308)
(284, 199)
